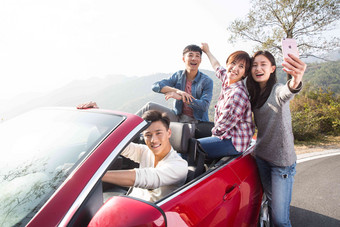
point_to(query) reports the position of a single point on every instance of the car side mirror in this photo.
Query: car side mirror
(128, 211)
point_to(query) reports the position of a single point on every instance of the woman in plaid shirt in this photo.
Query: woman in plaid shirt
(233, 127)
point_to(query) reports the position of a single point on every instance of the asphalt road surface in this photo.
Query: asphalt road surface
(316, 193)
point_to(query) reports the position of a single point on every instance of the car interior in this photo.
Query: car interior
(183, 140)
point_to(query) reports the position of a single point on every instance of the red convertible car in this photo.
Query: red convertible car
(53, 159)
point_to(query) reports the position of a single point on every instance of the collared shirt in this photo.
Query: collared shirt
(153, 183)
(233, 118)
(201, 90)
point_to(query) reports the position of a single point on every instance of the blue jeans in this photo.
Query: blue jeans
(277, 182)
(217, 148)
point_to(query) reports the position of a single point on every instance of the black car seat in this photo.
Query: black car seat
(203, 129)
(183, 141)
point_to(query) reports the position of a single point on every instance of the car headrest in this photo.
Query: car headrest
(180, 135)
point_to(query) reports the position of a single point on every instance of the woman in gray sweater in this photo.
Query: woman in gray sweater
(274, 150)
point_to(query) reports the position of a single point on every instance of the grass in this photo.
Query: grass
(324, 143)
(325, 140)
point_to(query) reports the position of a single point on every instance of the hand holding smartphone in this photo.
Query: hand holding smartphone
(289, 46)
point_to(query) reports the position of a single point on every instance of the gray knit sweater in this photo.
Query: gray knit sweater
(275, 140)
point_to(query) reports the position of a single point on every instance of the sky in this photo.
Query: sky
(47, 44)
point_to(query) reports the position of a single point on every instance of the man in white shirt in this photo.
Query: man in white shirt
(161, 169)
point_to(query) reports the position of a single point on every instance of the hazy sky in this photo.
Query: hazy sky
(47, 44)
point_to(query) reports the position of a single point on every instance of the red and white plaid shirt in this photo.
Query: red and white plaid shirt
(233, 118)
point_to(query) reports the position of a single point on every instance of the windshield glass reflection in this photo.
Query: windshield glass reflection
(38, 151)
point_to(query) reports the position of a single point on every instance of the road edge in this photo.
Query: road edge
(314, 155)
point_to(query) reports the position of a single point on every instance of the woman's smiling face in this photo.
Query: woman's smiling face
(236, 71)
(261, 70)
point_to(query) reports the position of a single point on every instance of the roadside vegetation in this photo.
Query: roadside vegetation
(316, 109)
(315, 114)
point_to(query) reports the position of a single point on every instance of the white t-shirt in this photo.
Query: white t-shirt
(153, 183)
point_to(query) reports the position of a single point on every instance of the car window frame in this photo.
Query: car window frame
(90, 186)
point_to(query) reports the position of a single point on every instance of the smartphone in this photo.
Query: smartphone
(289, 46)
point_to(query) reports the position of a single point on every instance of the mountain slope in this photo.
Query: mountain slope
(130, 93)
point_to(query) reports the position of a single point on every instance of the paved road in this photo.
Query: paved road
(316, 193)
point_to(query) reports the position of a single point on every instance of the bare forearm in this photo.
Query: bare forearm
(124, 178)
(175, 93)
(168, 89)
(213, 61)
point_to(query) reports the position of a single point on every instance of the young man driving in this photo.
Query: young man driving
(161, 169)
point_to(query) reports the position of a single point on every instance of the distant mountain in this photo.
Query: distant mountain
(331, 56)
(129, 94)
(74, 93)
(115, 92)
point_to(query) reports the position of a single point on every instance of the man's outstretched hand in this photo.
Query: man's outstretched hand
(88, 105)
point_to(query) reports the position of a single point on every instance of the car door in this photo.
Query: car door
(213, 200)
(250, 190)
(227, 195)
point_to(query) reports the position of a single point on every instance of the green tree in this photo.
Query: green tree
(325, 75)
(315, 113)
(268, 21)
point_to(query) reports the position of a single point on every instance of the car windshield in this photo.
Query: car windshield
(39, 150)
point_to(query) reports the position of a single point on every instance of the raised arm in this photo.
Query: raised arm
(296, 68)
(213, 61)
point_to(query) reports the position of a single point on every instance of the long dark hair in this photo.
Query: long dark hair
(257, 99)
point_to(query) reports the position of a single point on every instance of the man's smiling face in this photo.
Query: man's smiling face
(157, 137)
(192, 60)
